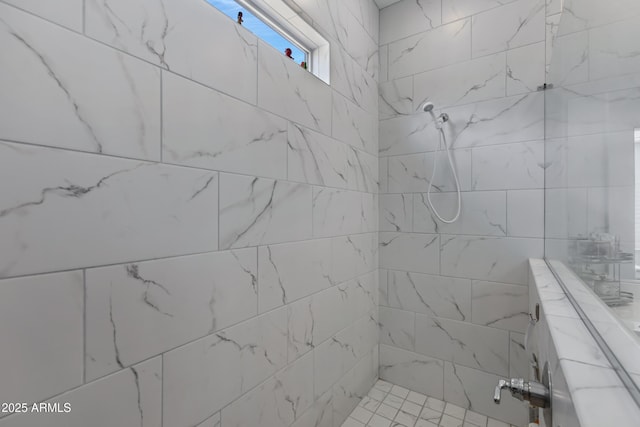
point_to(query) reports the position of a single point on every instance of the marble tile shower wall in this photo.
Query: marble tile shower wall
(592, 114)
(453, 302)
(188, 220)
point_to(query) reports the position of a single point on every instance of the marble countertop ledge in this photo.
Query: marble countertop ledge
(599, 396)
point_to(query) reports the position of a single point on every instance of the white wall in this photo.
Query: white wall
(187, 218)
(454, 303)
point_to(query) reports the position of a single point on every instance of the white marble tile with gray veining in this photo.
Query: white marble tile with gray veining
(353, 125)
(406, 18)
(239, 357)
(337, 212)
(463, 83)
(511, 119)
(67, 13)
(566, 213)
(612, 51)
(314, 158)
(135, 391)
(384, 63)
(319, 415)
(257, 211)
(425, 51)
(525, 69)
(467, 387)
(173, 34)
(352, 81)
(580, 15)
(397, 328)
(440, 296)
(362, 172)
(213, 421)
(55, 345)
(237, 138)
(396, 98)
(407, 134)
(138, 310)
(452, 10)
(481, 213)
(42, 61)
(352, 256)
(519, 365)
(499, 259)
(500, 305)
(570, 57)
(471, 345)
(525, 213)
(523, 164)
(396, 212)
(286, 89)
(518, 23)
(411, 173)
(290, 271)
(278, 401)
(352, 387)
(135, 210)
(410, 252)
(416, 371)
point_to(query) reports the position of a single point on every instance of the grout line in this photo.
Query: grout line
(84, 327)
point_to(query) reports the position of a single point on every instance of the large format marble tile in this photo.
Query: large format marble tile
(499, 259)
(585, 14)
(429, 50)
(278, 401)
(473, 389)
(107, 211)
(316, 159)
(511, 119)
(410, 252)
(525, 68)
(204, 376)
(257, 211)
(460, 342)
(136, 393)
(525, 213)
(174, 35)
(440, 296)
(411, 370)
(67, 13)
(566, 213)
(406, 18)
(570, 57)
(397, 328)
(522, 162)
(612, 51)
(516, 24)
(351, 80)
(206, 129)
(284, 88)
(481, 213)
(470, 81)
(396, 98)
(396, 212)
(411, 173)
(352, 256)
(41, 320)
(353, 386)
(43, 61)
(135, 311)
(353, 125)
(500, 305)
(407, 134)
(337, 212)
(290, 271)
(452, 10)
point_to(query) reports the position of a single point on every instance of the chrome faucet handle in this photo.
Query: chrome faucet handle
(502, 384)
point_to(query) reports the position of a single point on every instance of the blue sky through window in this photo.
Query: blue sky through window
(257, 27)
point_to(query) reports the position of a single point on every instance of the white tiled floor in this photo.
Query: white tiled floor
(389, 405)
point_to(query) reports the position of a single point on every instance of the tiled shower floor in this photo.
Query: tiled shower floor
(389, 405)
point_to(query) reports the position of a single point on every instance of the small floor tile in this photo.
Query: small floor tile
(425, 423)
(411, 408)
(387, 411)
(369, 404)
(449, 421)
(361, 414)
(394, 401)
(377, 394)
(350, 422)
(378, 421)
(455, 411)
(383, 385)
(402, 392)
(435, 404)
(432, 415)
(417, 398)
(406, 419)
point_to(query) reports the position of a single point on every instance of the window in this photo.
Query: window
(277, 24)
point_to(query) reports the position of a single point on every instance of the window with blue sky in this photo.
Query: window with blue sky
(259, 28)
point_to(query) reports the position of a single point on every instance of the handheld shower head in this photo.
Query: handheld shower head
(427, 107)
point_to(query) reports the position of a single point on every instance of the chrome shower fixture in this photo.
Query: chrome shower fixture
(428, 107)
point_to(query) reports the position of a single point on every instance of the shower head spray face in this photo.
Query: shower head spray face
(427, 107)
